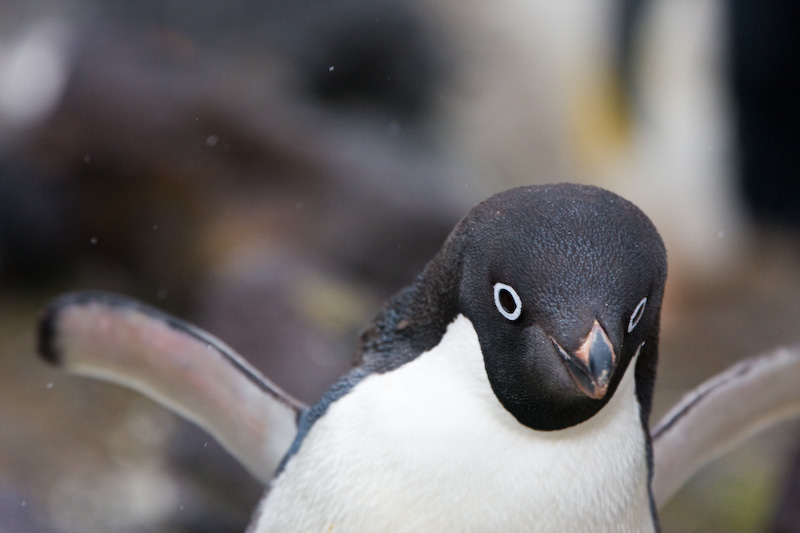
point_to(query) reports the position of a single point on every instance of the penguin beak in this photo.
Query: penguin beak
(593, 364)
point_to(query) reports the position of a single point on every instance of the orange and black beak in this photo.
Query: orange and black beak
(593, 364)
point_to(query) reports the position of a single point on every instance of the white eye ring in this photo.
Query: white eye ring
(637, 314)
(511, 315)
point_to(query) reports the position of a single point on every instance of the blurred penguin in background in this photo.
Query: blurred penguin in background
(764, 79)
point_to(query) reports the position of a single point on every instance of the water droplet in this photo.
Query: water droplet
(212, 140)
(93, 241)
(49, 385)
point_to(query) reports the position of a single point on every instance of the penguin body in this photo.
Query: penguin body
(507, 388)
(427, 447)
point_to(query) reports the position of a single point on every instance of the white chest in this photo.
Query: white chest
(428, 447)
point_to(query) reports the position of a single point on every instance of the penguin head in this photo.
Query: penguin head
(563, 285)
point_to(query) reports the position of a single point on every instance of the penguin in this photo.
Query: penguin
(507, 388)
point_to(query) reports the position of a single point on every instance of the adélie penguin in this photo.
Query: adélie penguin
(508, 388)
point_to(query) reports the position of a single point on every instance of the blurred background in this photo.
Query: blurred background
(273, 170)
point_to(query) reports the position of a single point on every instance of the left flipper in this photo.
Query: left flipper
(727, 409)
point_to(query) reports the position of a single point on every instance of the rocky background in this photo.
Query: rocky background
(273, 170)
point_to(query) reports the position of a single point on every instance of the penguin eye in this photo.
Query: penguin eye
(637, 314)
(507, 301)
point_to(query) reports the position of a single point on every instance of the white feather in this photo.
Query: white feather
(428, 447)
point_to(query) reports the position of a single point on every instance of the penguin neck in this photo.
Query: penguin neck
(415, 319)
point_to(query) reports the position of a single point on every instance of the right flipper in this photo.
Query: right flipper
(110, 337)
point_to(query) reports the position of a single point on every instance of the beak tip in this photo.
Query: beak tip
(597, 392)
(593, 364)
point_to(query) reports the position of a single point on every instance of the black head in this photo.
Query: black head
(563, 285)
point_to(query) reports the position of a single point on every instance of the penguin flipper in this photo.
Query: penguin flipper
(727, 409)
(117, 339)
